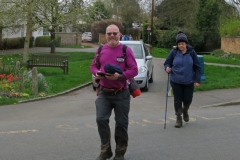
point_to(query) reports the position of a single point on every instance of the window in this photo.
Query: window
(45, 32)
(60, 29)
(146, 51)
(22, 32)
(137, 50)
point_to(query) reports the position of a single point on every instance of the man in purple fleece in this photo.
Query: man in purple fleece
(113, 93)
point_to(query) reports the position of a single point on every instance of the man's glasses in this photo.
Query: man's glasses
(110, 33)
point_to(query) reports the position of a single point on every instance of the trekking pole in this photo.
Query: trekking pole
(166, 102)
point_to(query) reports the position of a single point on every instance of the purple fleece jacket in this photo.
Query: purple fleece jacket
(110, 55)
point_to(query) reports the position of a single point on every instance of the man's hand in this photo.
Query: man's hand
(112, 76)
(99, 76)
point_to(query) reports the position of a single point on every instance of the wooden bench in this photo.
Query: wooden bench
(49, 60)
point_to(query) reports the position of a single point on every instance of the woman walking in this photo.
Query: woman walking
(185, 72)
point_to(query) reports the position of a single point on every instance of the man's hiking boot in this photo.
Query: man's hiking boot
(185, 113)
(118, 157)
(106, 152)
(104, 156)
(120, 150)
(179, 122)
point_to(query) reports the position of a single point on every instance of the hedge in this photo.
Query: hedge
(15, 43)
(45, 41)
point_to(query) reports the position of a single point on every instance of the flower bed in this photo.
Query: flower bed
(11, 85)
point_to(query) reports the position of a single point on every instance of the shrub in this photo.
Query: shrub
(30, 43)
(20, 84)
(167, 39)
(45, 41)
(42, 83)
(15, 43)
(146, 37)
(12, 43)
(230, 28)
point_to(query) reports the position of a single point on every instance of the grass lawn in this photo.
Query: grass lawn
(219, 78)
(79, 73)
(215, 58)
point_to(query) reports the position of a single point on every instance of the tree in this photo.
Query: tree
(236, 4)
(93, 11)
(176, 14)
(50, 14)
(10, 17)
(128, 11)
(99, 11)
(29, 28)
(230, 21)
(17, 13)
(208, 21)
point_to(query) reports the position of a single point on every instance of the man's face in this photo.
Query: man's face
(112, 36)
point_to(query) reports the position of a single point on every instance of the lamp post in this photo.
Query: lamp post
(117, 11)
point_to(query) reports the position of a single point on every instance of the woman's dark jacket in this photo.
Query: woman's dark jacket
(186, 68)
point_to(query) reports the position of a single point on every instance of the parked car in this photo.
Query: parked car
(144, 62)
(87, 36)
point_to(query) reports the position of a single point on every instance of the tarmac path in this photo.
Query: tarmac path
(64, 127)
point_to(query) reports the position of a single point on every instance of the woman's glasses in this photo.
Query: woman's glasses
(110, 33)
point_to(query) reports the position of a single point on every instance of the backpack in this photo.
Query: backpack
(133, 85)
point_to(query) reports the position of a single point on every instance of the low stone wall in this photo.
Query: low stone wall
(230, 44)
(70, 38)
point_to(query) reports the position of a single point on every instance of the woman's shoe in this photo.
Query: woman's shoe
(179, 122)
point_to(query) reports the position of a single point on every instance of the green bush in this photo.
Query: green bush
(30, 43)
(145, 35)
(230, 28)
(15, 43)
(57, 41)
(45, 41)
(12, 43)
(167, 39)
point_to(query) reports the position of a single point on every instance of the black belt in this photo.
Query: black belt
(112, 91)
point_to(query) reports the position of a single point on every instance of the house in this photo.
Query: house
(21, 32)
